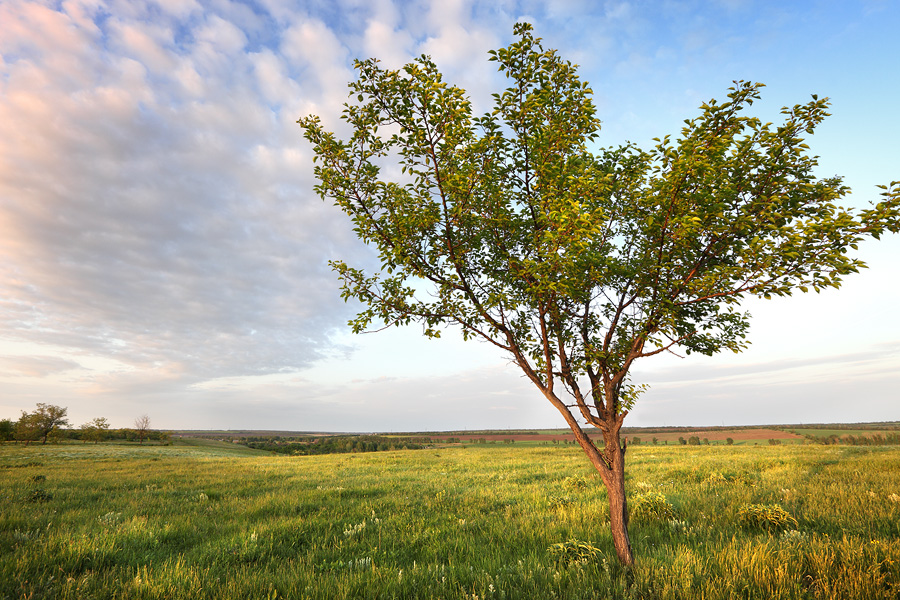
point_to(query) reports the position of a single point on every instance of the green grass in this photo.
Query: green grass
(207, 521)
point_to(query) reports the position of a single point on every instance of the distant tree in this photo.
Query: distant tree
(636, 441)
(95, 430)
(141, 426)
(7, 430)
(42, 423)
(694, 440)
(682, 441)
(577, 261)
(729, 441)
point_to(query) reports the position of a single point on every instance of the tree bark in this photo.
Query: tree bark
(613, 477)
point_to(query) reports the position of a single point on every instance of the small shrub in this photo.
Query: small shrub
(766, 517)
(694, 440)
(729, 441)
(636, 441)
(576, 482)
(774, 442)
(651, 506)
(574, 552)
(38, 478)
(559, 501)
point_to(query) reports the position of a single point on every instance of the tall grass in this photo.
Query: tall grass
(206, 522)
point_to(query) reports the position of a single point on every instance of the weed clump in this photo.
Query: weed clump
(577, 483)
(574, 552)
(766, 517)
(652, 507)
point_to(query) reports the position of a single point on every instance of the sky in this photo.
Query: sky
(162, 251)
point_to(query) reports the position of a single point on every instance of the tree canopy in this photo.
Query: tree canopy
(41, 423)
(578, 260)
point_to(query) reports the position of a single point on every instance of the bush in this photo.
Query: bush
(651, 506)
(577, 482)
(694, 440)
(574, 551)
(729, 441)
(766, 517)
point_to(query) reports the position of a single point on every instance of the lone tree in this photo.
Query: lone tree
(141, 426)
(38, 425)
(578, 262)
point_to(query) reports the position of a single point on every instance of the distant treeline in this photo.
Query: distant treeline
(337, 444)
(876, 439)
(888, 425)
(131, 435)
(87, 436)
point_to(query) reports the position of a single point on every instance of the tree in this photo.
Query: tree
(578, 262)
(141, 426)
(7, 430)
(41, 423)
(95, 430)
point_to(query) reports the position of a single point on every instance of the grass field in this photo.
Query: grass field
(218, 521)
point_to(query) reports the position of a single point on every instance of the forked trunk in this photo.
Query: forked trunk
(611, 466)
(610, 463)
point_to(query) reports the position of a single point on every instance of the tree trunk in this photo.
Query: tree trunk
(614, 480)
(610, 463)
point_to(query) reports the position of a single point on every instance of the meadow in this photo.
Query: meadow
(221, 521)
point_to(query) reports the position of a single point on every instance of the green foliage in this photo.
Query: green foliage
(651, 506)
(7, 430)
(577, 482)
(43, 424)
(574, 552)
(766, 517)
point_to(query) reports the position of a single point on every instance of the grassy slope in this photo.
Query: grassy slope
(203, 522)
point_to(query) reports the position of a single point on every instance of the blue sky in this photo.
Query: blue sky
(162, 251)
